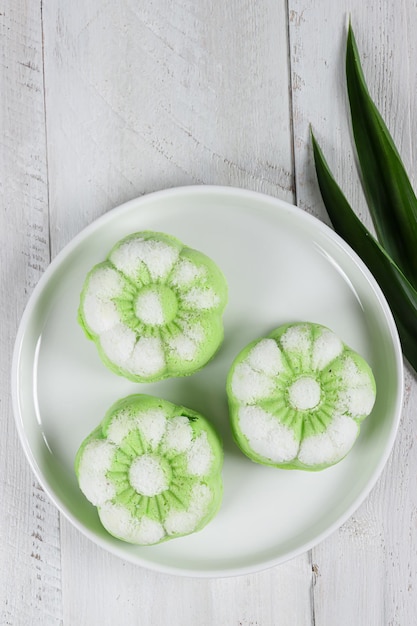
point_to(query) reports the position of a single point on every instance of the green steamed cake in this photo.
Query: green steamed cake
(297, 397)
(154, 308)
(152, 469)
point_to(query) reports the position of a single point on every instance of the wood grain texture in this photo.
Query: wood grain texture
(142, 97)
(366, 572)
(124, 593)
(104, 101)
(30, 577)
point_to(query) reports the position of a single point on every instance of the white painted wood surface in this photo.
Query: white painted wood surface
(104, 101)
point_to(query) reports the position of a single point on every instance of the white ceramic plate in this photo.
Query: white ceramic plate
(281, 265)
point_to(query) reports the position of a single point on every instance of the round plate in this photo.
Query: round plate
(282, 265)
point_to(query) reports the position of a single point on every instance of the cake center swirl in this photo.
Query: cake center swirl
(304, 393)
(156, 305)
(149, 475)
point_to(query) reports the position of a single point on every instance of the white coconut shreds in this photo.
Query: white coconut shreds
(357, 397)
(96, 460)
(325, 349)
(266, 357)
(149, 309)
(147, 358)
(356, 402)
(105, 283)
(120, 426)
(118, 344)
(248, 386)
(158, 257)
(100, 312)
(304, 393)
(182, 522)
(183, 347)
(147, 476)
(266, 435)
(186, 273)
(199, 456)
(297, 339)
(330, 446)
(178, 434)
(194, 331)
(121, 523)
(152, 425)
(352, 375)
(201, 299)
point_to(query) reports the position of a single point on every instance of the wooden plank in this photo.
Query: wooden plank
(114, 136)
(142, 97)
(366, 572)
(30, 581)
(106, 588)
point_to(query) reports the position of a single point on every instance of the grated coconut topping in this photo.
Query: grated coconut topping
(147, 476)
(330, 446)
(266, 435)
(266, 357)
(149, 308)
(95, 463)
(158, 256)
(147, 358)
(121, 523)
(249, 386)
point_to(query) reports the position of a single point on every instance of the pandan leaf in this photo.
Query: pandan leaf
(390, 197)
(399, 292)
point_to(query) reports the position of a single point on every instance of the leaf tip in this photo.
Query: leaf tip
(351, 45)
(348, 21)
(315, 144)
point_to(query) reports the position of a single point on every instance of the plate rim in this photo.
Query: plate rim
(95, 225)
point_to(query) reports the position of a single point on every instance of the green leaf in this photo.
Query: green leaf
(390, 197)
(400, 294)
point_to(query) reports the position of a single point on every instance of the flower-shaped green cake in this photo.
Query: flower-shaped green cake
(298, 396)
(154, 308)
(152, 469)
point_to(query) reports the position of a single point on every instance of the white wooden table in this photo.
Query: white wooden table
(104, 101)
